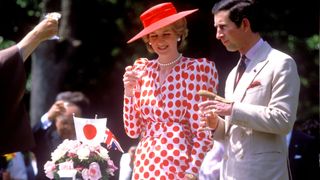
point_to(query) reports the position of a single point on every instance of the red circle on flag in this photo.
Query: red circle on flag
(89, 131)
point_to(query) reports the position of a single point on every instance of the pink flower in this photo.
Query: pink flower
(71, 155)
(81, 158)
(111, 167)
(68, 165)
(49, 168)
(93, 173)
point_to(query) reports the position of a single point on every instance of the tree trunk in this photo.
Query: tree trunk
(50, 62)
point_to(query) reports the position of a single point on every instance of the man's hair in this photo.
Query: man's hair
(240, 9)
(74, 97)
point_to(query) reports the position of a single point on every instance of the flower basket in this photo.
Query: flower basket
(76, 160)
(67, 174)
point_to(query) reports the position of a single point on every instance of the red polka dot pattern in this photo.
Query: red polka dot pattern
(166, 118)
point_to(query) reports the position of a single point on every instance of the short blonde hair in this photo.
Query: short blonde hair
(179, 27)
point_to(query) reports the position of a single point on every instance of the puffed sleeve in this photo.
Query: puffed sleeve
(131, 113)
(201, 74)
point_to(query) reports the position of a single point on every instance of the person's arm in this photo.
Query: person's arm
(43, 31)
(131, 110)
(208, 80)
(17, 167)
(272, 107)
(125, 170)
(56, 109)
(45, 121)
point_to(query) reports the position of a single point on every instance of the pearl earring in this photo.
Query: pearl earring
(179, 39)
(150, 43)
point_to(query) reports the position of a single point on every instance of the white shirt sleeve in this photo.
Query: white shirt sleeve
(45, 122)
(210, 167)
(125, 170)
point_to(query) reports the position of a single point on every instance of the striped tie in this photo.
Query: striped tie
(241, 69)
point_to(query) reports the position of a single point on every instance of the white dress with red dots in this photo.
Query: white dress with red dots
(166, 118)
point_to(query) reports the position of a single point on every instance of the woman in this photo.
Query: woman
(160, 99)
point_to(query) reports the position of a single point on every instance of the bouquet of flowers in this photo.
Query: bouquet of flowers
(87, 161)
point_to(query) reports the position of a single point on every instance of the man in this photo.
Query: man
(126, 164)
(264, 99)
(303, 155)
(57, 125)
(16, 134)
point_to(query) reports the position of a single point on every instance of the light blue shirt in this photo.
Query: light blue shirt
(252, 52)
(45, 122)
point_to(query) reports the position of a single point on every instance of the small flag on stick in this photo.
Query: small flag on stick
(111, 141)
(91, 131)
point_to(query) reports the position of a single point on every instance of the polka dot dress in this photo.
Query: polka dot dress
(166, 118)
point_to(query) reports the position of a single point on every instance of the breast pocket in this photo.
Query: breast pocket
(255, 89)
(259, 95)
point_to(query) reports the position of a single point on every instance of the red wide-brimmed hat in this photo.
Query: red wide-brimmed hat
(159, 16)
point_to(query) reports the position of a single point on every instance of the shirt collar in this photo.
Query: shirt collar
(253, 50)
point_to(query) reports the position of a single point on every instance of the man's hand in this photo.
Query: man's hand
(218, 107)
(130, 79)
(56, 109)
(43, 31)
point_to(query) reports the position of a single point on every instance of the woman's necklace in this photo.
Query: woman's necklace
(170, 63)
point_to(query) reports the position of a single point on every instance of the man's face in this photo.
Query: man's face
(227, 31)
(64, 123)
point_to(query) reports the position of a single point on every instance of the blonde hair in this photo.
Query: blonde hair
(179, 27)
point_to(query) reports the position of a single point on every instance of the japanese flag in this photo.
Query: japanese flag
(90, 131)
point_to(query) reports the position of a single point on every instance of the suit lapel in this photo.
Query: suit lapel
(258, 62)
(247, 78)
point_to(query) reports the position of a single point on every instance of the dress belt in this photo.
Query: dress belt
(156, 129)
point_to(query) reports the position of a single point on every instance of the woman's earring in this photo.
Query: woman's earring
(150, 43)
(179, 39)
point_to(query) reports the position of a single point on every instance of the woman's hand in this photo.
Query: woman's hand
(130, 79)
(209, 121)
(209, 118)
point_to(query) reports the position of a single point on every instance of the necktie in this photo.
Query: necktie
(241, 68)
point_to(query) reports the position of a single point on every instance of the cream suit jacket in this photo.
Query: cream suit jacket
(264, 111)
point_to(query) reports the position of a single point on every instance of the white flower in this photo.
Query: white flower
(73, 145)
(63, 148)
(66, 159)
(49, 168)
(57, 154)
(103, 153)
(83, 153)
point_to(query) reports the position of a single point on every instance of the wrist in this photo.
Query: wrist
(217, 124)
(190, 176)
(128, 93)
